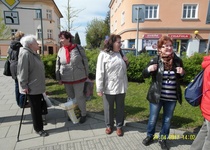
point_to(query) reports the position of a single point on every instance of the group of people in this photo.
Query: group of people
(165, 69)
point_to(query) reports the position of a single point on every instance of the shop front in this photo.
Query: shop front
(149, 43)
(180, 43)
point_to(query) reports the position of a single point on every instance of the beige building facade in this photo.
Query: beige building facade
(186, 22)
(31, 17)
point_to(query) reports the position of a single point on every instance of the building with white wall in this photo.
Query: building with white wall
(27, 18)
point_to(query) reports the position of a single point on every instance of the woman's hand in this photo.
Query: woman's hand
(152, 68)
(180, 71)
(100, 94)
(26, 91)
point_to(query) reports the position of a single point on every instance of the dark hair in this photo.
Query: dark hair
(163, 40)
(66, 34)
(109, 44)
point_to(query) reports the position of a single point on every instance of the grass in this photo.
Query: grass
(185, 116)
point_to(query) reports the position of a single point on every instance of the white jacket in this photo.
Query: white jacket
(111, 73)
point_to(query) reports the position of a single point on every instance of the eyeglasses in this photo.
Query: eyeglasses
(167, 46)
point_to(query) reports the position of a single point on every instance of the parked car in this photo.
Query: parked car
(129, 50)
(133, 51)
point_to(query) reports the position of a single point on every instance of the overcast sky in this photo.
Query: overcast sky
(91, 9)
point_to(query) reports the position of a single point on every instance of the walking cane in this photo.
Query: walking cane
(21, 117)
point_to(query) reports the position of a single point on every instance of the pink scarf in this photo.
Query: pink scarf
(68, 51)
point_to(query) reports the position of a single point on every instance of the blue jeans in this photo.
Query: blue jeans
(168, 110)
(19, 97)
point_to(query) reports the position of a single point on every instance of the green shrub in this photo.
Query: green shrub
(92, 56)
(192, 65)
(136, 66)
(49, 63)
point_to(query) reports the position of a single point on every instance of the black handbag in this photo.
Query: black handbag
(7, 71)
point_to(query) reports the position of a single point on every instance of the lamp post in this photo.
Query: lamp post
(41, 24)
(138, 15)
(137, 34)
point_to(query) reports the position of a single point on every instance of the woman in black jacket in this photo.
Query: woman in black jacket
(166, 70)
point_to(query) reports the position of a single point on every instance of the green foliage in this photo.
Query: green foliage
(107, 21)
(49, 63)
(192, 66)
(92, 56)
(77, 39)
(136, 66)
(96, 31)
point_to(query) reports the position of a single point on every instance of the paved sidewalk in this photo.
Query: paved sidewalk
(64, 135)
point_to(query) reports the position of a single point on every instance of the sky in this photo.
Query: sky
(91, 9)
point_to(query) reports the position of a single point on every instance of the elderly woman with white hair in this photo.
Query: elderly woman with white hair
(31, 78)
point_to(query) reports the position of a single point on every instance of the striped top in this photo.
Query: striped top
(168, 91)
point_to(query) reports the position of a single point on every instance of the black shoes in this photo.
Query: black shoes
(147, 141)
(82, 119)
(42, 133)
(163, 144)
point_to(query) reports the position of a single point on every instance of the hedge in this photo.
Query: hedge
(192, 65)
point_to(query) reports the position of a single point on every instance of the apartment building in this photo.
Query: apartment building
(186, 22)
(31, 17)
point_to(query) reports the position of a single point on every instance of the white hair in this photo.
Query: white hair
(28, 39)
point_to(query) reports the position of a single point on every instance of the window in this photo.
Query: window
(39, 33)
(115, 25)
(151, 12)
(122, 18)
(190, 11)
(49, 14)
(13, 31)
(38, 14)
(49, 34)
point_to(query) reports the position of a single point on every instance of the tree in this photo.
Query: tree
(5, 32)
(95, 33)
(71, 14)
(107, 21)
(77, 39)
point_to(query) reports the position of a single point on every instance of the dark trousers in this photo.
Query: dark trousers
(109, 101)
(36, 111)
(19, 97)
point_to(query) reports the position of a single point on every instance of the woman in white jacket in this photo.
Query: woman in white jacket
(111, 82)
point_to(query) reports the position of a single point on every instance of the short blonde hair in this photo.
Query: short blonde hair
(18, 35)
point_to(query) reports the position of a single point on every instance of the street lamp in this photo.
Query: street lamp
(138, 15)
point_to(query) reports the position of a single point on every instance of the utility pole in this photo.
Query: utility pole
(138, 15)
(137, 37)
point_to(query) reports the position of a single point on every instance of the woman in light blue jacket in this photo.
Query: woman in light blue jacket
(111, 82)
